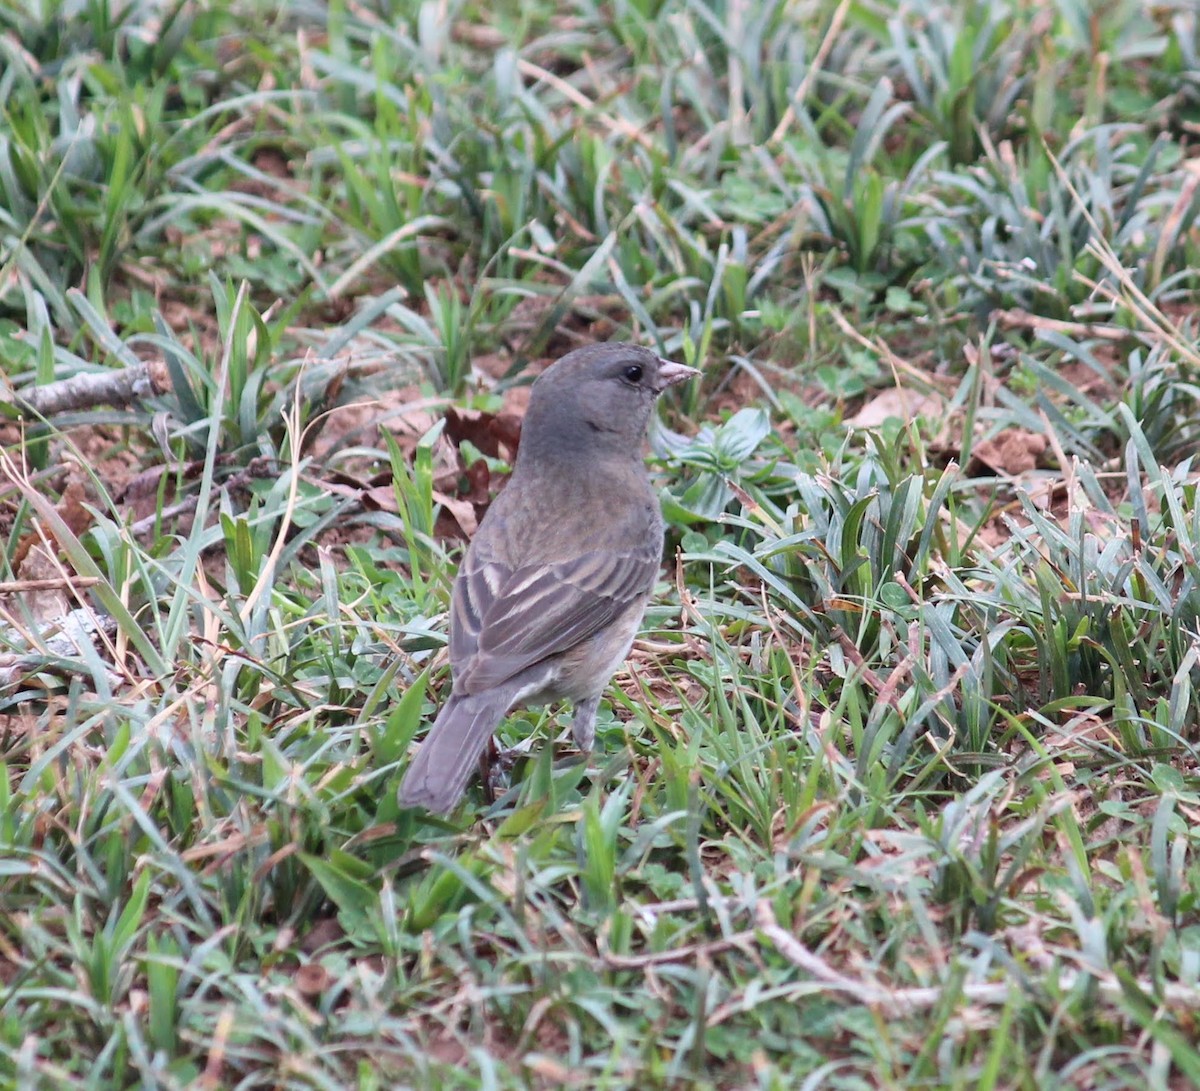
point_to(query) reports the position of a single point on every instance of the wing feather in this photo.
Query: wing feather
(507, 619)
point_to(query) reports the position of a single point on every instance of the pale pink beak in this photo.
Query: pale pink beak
(670, 373)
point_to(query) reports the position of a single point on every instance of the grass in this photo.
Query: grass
(900, 788)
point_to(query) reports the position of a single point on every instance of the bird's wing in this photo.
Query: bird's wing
(508, 618)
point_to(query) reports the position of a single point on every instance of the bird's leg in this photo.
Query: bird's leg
(499, 767)
(490, 769)
(583, 727)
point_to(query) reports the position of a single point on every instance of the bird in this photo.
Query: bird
(553, 586)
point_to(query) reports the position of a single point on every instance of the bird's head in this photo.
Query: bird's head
(598, 399)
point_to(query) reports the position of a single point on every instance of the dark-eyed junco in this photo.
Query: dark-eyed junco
(554, 584)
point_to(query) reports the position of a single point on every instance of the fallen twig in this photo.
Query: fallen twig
(1023, 320)
(677, 954)
(90, 388)
(909, 1001)
(891, 1001)
(54, 583)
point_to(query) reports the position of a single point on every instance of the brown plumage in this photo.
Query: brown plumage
(553, 587)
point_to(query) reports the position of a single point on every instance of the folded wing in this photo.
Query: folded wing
(509, 618)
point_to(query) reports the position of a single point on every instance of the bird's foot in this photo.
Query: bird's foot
(568, 752)
(495, 769)
(497, 764)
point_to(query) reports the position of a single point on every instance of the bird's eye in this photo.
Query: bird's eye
(633, 373)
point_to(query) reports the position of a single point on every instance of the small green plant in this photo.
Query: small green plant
(965, 65)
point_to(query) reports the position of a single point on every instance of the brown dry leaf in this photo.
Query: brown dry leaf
(312, 979)
(905, 405)
(463, 513)
(1013, 452)
(380, 498)
(494, 434)
(49, 604)
(71, 508)
(375, 492)
(447, 466)
(479, 480)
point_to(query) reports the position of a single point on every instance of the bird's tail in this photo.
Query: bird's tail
(438, 775)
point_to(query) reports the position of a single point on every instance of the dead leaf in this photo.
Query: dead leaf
(1013, 452)
(479, 480)
(900, 404)
(71, 508)
(463, 512)
(50, 603)
(493, 434)
(312, 979)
